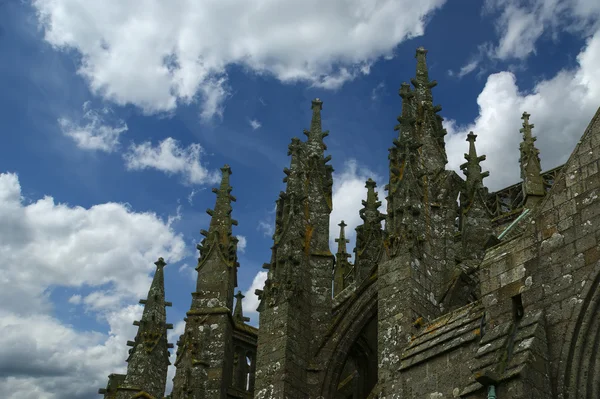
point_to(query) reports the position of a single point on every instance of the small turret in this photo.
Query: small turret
(342, 265)
(531, 169)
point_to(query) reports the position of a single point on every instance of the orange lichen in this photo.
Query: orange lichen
(307, 238)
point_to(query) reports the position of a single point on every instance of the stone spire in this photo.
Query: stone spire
(472, 168)
(238, 314)
(298, 291)
(531, 170)
(369, 235)
(205, 354)
(342, 266)
(218, 239)
(429, 124)
(405, 189)
(475, 218)
(315, 134)
(149, 356)
(421, 82)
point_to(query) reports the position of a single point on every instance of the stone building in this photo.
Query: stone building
(463, 294)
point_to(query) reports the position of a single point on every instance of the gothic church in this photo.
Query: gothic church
(495, 295)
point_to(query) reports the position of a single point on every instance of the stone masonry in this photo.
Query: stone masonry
(462, 293)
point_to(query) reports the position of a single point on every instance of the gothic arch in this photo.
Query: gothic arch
(580, 374)
(346, 331)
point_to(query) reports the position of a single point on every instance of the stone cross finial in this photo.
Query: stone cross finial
(160, 263)
(526, 130)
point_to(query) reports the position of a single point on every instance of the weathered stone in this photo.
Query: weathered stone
(497, 294)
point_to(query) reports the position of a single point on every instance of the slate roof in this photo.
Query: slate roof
(444, 334)
(507, 349)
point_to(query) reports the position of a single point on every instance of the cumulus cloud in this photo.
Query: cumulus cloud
(560, 108)
(107, 248)
(157, 55)
(72, 246)
(251, 302)
(521, 24)
(170, 157)
(65, 363)
(97, 130)
(348, 192)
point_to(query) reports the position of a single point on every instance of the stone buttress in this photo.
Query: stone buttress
(149, 354)
(295, 309)
(420, 225)
(205, 351)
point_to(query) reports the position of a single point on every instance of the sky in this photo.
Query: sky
(115, 117)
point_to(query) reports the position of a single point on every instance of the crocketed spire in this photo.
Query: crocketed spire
(342, 266)
(531, 169)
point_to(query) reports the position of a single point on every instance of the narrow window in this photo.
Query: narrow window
(518, 310)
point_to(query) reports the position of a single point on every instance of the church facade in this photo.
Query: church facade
(461, 293)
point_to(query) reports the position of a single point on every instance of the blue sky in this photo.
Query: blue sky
(116, 116)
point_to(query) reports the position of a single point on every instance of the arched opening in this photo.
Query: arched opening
(582, 375)
(359, 372)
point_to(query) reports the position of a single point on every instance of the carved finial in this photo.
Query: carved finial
(472, 168)
(526, 130)
(342, 266)
(342, 241)
(160, 263)
(315, 134)
(238, 313)
(421, 81)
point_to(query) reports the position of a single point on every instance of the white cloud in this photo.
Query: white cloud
(267, 227)
(108, 248)
(465, 69)
(255, 124)
(63, 364)
(377, 90)
(214, 93)
(190, 197)
(169, 157)
(560, 108)
(251, 302)
(157, 55)
(241, 246)
(188, 271)
(74, 246)
(75, 299)
(98, 132)
(348, 192)
(522, 24)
